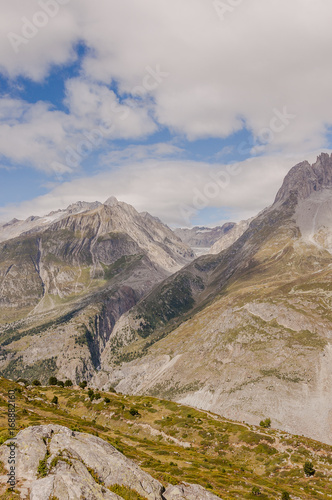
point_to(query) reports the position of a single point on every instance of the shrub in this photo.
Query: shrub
(256, 491)
(55, 400)
(60, 383)
(42, 467)
(309, 469)
(52, 381)
(83, 384)
(68, 383)
(97, 395)
(265, 423)
(285, 496)
(134, 412)
(107, 400)
(36, 382)
(111, 389)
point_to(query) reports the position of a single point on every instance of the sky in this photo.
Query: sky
(193, 110)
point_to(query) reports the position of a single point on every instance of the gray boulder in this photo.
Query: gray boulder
(186, 491)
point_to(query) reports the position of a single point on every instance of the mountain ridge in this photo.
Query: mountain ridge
(255, 289)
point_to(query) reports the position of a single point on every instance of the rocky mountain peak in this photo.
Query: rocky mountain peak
(111, 201)
(81, 206)
(304, 179)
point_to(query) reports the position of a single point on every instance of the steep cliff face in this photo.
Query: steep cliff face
(246, 332)
(304, 179)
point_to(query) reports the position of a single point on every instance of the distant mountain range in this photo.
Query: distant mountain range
(103, 293)
(201, 239)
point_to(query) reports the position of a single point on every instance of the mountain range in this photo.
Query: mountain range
(103, 293)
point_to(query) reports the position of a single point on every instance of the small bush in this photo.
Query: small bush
(111, 389)
(68, 383)
(36, 382)
(55, 400)
(256, 491)
(285, 496)
(309, 469)
(265, 423)
(42, 467)
(52, 381)
(134, 412)
(83, 384)
(107, 400)
(97, 395)
(60, 383)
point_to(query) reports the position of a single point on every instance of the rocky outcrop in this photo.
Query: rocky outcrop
(53, 461)
(304, 179)
(187, 491)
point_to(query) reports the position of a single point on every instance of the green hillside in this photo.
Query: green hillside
(177, 443)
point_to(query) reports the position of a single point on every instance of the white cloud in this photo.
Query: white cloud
(168, 188)
(221, 74)
(51, 140)
(30, 50)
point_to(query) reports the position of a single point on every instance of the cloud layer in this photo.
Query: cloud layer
(174, 190)
(195, 68)
(206, 75)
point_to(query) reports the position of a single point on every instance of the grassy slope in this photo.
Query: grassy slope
(227, 457)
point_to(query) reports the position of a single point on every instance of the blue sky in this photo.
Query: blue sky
(154, 107)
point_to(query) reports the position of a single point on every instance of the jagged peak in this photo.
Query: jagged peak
(303, 179)
(83, 205)
(111, 201)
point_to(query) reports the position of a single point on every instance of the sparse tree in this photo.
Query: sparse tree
(52, 381)
(60, 383)
(265, 423)
(134, 412)
(68, 383)
(83, 384)
(309, 469)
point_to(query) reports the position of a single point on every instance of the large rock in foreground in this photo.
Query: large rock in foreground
(55, 462)
(78, 466)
